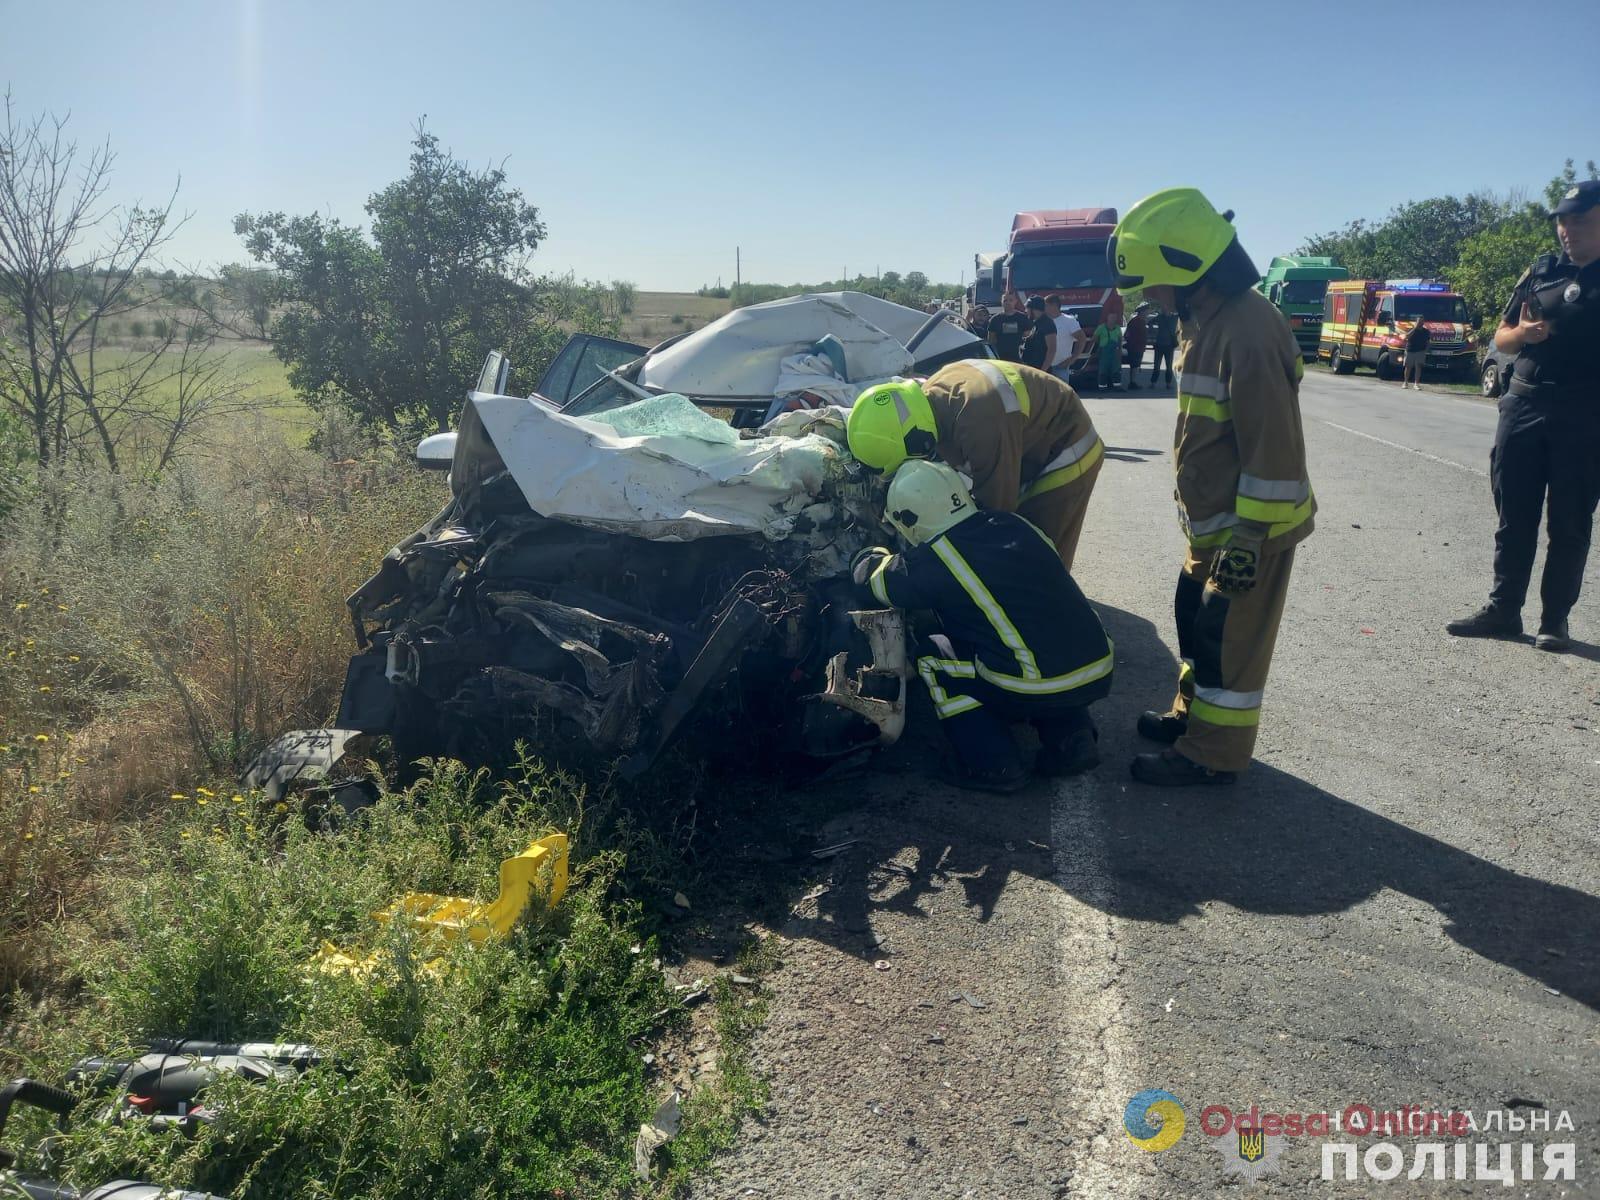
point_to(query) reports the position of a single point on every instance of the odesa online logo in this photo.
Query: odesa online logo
(1154, 1119)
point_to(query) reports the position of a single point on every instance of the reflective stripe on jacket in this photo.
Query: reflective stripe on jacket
(1014, 430)
(1014, 614)
(1239, 447)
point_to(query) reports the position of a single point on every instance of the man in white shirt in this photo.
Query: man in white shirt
(1069, 336)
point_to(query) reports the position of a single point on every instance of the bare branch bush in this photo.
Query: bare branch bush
(73, 268)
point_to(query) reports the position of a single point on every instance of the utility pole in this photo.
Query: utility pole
(738, 267)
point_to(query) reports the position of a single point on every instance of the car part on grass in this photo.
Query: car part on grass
(161, 1089)
(538, 874)
(35, 1188)
(304, 754)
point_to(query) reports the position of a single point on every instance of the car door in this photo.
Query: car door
(584, 360)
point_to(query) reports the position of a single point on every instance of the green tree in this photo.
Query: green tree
(1491, 260)
(1418, 238)
(395, 326)
(1355, 246)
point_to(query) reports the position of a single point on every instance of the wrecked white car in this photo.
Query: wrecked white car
(617, 565)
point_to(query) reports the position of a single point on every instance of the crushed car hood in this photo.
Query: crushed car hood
(678, 481)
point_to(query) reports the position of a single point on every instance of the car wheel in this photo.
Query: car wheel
(1338, 364)
(1386, 366)
(1491, 380)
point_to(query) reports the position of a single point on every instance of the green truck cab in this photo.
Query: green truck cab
(1296, 285)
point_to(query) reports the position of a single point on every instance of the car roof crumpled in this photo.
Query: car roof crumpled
(739, 356)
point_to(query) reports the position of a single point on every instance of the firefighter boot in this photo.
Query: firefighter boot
(1162, 727)
(983, 757)
(1171, 769)
(1068, 745)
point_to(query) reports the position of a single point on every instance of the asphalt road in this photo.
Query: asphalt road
(1396, 907)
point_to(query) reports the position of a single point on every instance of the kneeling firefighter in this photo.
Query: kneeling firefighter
(1019, 642)
(1244, 498)
(1021, 435)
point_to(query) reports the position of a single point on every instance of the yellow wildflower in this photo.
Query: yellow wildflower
(200, 800)
(63, 774)
(238, 799)
(72, 658)
(41, 737)
(186, 834)
(179, 796)
(34, 789)
(27, 837)
(199, 791)
(44, 687)
(22, 606)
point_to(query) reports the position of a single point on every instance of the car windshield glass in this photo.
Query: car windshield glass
(1304, 291)
(1431, 308)
(1082, 265)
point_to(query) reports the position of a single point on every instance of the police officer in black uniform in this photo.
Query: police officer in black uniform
(1548, 440)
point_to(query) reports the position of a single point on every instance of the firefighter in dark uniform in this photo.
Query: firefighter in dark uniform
(1547, 447)
(1018, 641)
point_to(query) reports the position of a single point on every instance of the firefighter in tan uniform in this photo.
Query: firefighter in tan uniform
(1021, 435)
(1244, 498)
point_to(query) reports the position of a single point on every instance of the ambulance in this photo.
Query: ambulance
(1365, 322)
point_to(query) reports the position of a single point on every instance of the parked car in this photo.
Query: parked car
(1494, 370)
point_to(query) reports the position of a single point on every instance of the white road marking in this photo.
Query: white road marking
(1408, 449)
(1090, 967)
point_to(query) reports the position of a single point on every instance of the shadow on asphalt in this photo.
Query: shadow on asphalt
(1275, 845)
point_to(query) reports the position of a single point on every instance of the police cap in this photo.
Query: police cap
(1580, 197)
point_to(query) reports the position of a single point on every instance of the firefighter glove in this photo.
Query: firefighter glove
(866, 562)
(1234, 570)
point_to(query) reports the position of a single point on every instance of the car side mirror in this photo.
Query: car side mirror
(437, 452)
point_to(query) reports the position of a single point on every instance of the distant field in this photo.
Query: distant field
(262, 377)
(657, 316)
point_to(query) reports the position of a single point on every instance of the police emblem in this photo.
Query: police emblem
(1572, 293)
(1252, 1144)
(1251, 1153)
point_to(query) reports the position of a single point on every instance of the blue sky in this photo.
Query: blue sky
(818, 137)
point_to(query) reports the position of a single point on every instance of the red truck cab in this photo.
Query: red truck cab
(1062, 252)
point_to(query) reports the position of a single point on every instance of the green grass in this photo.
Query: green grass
(515, 1070)
(263, 380)
(1431, 382)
